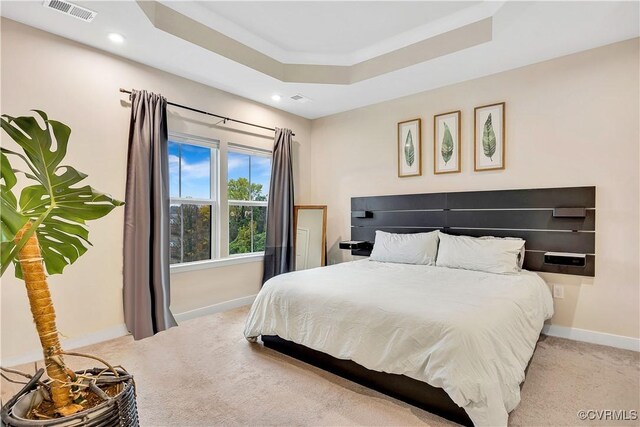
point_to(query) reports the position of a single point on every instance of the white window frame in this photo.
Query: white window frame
(213, 201)
(251, 151)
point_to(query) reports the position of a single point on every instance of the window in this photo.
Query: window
(193, 198)
(196, 222)
(248, 175)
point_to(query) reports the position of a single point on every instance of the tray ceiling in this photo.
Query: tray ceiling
(317, 46)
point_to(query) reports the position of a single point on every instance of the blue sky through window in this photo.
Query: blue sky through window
(194, 163)
(238, 165)
(189, 171)
(261, 172)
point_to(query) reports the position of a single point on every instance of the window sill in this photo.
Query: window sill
(215, 263)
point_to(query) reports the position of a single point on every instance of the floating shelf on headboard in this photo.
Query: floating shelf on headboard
(527, 213)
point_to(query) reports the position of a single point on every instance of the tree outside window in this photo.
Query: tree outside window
(192, 209)
(248, 178)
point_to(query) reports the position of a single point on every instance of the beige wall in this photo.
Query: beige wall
(569, 122)
(79, 86)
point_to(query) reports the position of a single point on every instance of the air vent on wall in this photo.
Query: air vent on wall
(300, 98)
(71, 9)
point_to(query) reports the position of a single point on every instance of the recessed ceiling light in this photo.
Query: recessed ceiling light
(276, 97)
(116, 38)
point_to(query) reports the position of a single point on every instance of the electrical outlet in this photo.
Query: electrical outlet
(558, 291)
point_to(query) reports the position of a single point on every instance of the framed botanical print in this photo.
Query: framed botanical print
(446, 143)
(409, 148)
(489, 140)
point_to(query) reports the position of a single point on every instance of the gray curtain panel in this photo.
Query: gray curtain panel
(146, 219)
(279, 256)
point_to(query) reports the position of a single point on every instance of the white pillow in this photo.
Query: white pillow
(522, 250)
(416, 248)
(471, 253)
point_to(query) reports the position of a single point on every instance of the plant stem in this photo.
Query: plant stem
(20, 242)
(44, 317)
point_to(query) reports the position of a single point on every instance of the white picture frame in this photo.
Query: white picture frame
(446, 143)
(409, 148)
(489, 143)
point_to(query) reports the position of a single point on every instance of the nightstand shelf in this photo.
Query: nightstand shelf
(355, 245)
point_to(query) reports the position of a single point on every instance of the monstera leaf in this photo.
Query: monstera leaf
(489, 139)
(409, 150)
(447, 145)
(57, 207)
(10, 219)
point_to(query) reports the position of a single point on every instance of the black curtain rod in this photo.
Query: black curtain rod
(226, 119)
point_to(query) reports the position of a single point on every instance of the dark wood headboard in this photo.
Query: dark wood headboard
(528, 214)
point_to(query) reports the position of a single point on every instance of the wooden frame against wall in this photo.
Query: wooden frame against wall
(418, 144)
(501, 105)
(457, 142)
(296, 208)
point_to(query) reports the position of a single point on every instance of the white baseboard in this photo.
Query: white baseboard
(70, 344)
(215, 308)
(593, 337)
(121, 330)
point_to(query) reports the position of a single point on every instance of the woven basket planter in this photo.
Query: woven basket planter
(120, 410)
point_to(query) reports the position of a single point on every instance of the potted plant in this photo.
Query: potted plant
(42, 232)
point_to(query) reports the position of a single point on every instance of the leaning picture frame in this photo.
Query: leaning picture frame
(489, 142)
(446, 142)
(409, 148)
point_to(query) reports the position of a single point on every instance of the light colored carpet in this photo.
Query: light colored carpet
(205, 373)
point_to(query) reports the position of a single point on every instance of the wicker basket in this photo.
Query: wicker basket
(120, 410)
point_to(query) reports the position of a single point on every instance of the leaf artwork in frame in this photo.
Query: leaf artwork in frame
(446, 142)
(409, 148)
(489, 142)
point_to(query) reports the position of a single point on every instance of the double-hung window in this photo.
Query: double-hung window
(248, 176)
(196, 221)
(193, 188)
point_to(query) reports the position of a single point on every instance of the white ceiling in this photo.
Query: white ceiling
(341, 33)
(308, 28)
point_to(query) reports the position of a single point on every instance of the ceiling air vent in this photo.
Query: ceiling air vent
(71, 9)
(300, 98)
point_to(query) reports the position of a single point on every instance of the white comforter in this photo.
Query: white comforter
(467, 332)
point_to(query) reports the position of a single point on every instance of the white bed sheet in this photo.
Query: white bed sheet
(468, 332)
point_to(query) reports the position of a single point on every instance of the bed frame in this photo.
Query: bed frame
(549, 219)
(401, 387)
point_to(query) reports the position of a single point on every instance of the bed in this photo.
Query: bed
(452, 341)
(469, 333)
